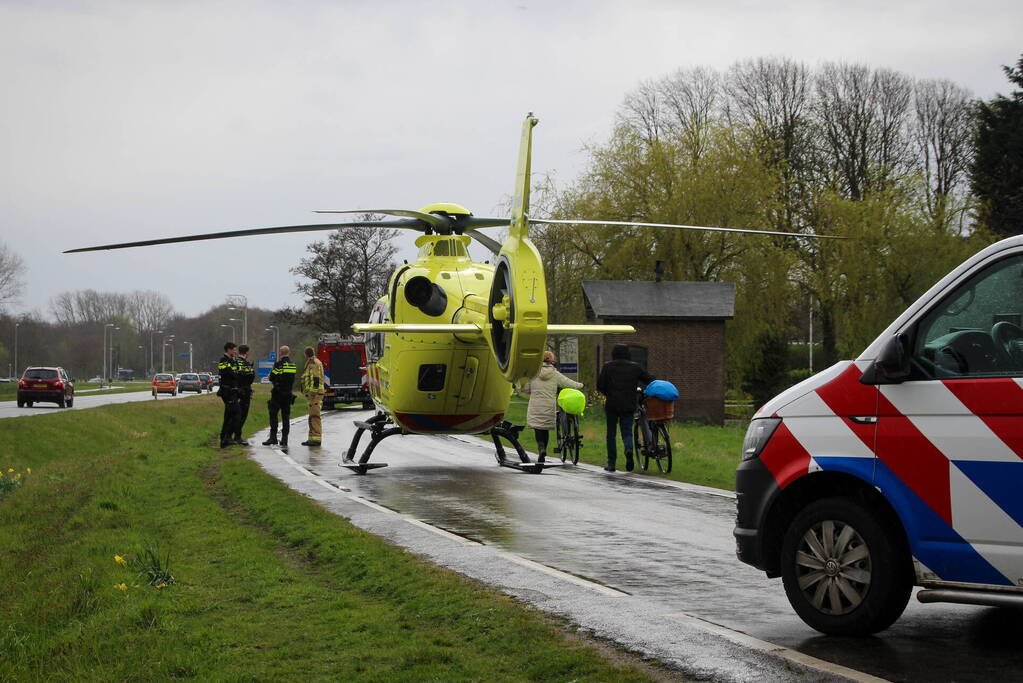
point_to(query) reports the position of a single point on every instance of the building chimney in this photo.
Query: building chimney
(658, 271)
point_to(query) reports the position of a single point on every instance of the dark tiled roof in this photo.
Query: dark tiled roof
(676, 300)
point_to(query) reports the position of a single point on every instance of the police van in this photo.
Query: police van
(903, 467)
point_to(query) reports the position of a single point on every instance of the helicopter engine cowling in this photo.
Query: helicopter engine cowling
(427, 296)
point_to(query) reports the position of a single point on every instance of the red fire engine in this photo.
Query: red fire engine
(344, 363)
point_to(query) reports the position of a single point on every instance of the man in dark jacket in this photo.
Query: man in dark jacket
(618, 381)
(282, 377)
(246, 374)
(228, 393)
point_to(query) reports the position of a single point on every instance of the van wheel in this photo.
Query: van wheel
(60, 402)
(21, 404)
(845, 572)
(70, 402)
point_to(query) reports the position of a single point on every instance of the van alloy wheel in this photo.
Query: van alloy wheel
(833, 567)
(845, 567)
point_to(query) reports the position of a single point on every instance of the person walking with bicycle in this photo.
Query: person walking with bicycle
(543, 400)
(618, 381)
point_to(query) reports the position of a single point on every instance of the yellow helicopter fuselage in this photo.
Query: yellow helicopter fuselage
(430, 382)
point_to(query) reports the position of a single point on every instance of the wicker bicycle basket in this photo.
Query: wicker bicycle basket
(657, 409)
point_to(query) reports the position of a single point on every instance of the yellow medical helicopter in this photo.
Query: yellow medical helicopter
(451, 335)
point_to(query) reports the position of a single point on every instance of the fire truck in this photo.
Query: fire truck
(344, 363)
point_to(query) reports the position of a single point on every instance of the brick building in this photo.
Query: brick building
(680, 335)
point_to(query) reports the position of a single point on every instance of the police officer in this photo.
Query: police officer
(282, 377)
(228, 393)
(313, 388)
(246, 375)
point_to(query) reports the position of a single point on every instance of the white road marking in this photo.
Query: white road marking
(565, 576)
(794, 656)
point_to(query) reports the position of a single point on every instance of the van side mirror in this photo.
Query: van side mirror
(891, 365)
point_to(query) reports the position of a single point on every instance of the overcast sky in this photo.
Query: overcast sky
(122, 121)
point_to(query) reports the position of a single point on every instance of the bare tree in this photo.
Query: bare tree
(863, 116)
(12, 268)
(343, 277)
(943, 135)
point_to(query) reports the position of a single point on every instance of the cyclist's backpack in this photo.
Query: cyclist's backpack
(666, 391)
(572, 401)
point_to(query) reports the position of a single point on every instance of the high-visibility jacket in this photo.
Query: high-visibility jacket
(282, 377)
(228, 373)
(312, 377)
(246, 373)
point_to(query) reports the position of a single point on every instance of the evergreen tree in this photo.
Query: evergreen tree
(997, 172)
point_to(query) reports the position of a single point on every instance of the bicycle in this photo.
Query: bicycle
(568, 436)
(650, 435)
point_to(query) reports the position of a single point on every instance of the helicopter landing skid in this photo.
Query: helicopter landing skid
(378, 429)
(510, 432)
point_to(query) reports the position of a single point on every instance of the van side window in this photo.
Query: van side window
(975, 331)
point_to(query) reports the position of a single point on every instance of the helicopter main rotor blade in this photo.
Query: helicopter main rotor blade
(488, 242)
(407, 225)
(435, 221)
(632, 224)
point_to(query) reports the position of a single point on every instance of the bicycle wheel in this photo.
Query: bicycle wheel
(561, 435)
(573, 442)
(640, 444)
(662, 447)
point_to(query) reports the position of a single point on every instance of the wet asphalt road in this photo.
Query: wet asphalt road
(669, 543)
(83, 402)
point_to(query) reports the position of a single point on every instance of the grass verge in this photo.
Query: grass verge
(224, 573)
(701, 454)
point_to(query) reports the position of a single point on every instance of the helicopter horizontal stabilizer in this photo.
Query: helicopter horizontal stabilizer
(414, 328)
(590, 329)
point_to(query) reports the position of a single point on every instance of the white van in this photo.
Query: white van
(901, 468)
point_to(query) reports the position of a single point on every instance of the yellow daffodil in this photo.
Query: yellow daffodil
(10, 469)
(122, 587)
(29, 470)
(161, 586)
(118, 559)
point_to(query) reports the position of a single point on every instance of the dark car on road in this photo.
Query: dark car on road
(189, 381)
(207, 380)
(49, 385)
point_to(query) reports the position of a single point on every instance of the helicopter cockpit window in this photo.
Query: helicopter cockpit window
(441, 248)
(431, 376)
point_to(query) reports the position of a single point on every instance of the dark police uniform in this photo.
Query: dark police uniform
(228, 393)
(282, 377)
(246, 375)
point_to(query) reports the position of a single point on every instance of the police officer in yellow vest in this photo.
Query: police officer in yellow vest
(313, 388)
(282, 377)
(245, 373)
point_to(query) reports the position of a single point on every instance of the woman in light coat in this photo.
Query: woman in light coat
(543, 400)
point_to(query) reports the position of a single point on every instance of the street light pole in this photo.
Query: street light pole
(276, 339)
(111, 368)
(163, 352)
(232, 330)
(16, 326)
(245, 313)
(105, 377)
(151, 333)
(189, 355)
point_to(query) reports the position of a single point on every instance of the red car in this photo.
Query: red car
(52, 385)
(164, 383)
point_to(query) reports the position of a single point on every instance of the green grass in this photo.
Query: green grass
(701, 454)
(266, 585)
